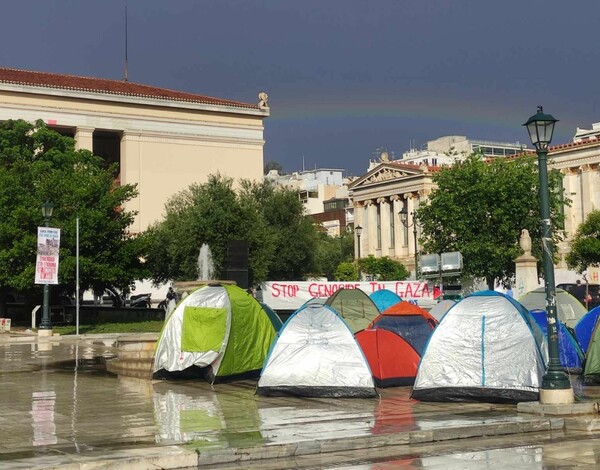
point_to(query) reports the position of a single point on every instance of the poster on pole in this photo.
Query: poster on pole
(46, 263)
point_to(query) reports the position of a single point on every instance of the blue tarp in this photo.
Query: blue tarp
(571, 355)
(585, 328)
(384, 299)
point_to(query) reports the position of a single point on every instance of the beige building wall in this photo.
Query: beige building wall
(166, 145)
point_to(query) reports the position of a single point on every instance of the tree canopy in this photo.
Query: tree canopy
(281, 240)
(272, 166)
(585, 246)
(480, 207)
(383, 269)
(38, 164)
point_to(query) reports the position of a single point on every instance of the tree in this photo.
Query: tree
(383, 269)
(331, 251)
(38, 164)
(281, 240)
(479, 208)
(347, 271)
(273, 166)
(585, 246)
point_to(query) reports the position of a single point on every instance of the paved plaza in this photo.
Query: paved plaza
(59, 408)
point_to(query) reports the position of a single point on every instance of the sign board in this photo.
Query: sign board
(292, 295)
(46, 263)
(4, 324)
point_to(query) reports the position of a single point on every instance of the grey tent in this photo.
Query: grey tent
(486, 348)
(355, 307)
(568, 308)
(316, 355)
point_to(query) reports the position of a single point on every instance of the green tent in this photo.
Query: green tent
(355, 307)
(221, 330)
(591, 371)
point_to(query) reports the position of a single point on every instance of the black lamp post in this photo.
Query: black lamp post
(358, 230)
(46, 324)
(540, 127)
(404, 219)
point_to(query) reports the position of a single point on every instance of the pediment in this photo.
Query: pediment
(386, 172)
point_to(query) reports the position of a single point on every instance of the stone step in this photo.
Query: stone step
(141, 368)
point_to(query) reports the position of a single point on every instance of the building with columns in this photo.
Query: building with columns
(378, 198)
(162, 140)
(392, 186)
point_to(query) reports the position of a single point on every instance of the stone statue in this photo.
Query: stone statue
(525, 242)
(263, 100)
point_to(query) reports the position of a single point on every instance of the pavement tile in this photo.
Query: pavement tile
(60, 406)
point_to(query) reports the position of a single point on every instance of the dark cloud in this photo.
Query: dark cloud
(344, 76)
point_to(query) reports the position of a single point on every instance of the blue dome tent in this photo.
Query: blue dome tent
(384, 299)
(585, 327)
(571, 355)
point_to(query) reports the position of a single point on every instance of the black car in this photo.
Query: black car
(592, 289)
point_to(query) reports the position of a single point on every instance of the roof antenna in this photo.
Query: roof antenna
(126, 71)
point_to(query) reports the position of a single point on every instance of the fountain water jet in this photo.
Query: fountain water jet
(205, 264)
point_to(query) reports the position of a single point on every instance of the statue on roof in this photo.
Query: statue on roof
(263, 101)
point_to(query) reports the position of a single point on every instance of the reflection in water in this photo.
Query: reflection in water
(208, 417)
(183, 418)
(527, 457)
(42, 418)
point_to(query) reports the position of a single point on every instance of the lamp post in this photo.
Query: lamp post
(404, 219)
(358, 230)
(46, 324)
(556, 386)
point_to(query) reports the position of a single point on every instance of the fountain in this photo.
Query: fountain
(205, 264)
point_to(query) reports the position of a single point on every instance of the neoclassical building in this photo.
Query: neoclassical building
(163, 140)
(378, 198)
(393, 186)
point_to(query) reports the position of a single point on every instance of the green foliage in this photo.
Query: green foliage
(331, 251)
(273, 166)
(347, 271)
(281, 240)
(585, 246)
(479, 208)
(38, 164)
(383, 269)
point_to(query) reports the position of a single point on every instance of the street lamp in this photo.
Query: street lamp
(404, 219)
(556, 386)
(46, 324)
(358, 230)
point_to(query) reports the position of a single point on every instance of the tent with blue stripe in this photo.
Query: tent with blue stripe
(571, 355)
(384, 299)
(585, 327)
(487, 348)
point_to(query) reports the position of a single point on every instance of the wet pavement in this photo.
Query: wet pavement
(58, 406)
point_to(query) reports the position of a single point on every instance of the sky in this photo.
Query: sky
(344, 77)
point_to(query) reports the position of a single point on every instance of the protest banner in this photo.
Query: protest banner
(292, 295)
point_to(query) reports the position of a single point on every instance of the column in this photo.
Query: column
(410, 206)
(131, 174)
(397, 207)
(371, 228)
(586, 190)
(569, 178)
(384, 210)
(84, 138)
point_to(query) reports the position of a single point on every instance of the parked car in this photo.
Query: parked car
(593, 291)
